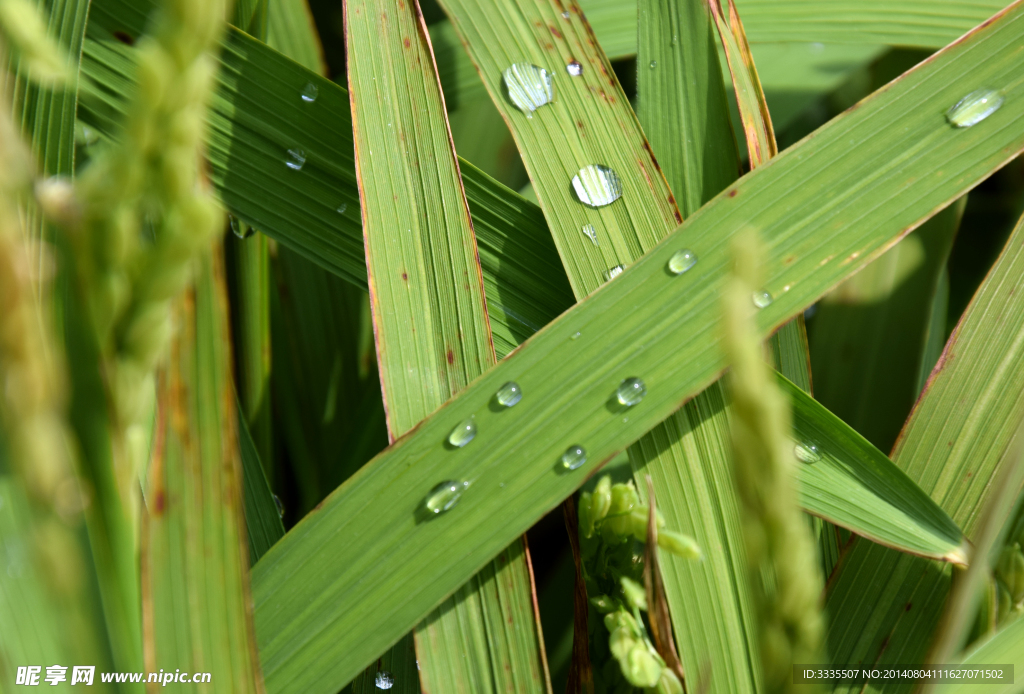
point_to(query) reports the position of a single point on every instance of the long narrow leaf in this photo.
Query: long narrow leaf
(430, 321)
(955, 442)
(350, 576)
(193, 549)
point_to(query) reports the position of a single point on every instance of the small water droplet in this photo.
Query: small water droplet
(631, 391)
(84, 135)
(817, 47)
(762, 298)
(574, 68)
(444, 496)
(296, 159)
(342, 207)
(807, 452)
(573, 457)
(974, 108)
(681, 261)
(310, 92)
(590, 233)
(384, 680)
(529, 87)
(597, 185)
(575, 335)
(565, 15)
(509, 394)
(462, 434)
(654, 64)
(810, 311)
(613, 272)
(240, 228)
(279, 504)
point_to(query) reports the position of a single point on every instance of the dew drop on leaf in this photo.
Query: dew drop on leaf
(590, 233)
(310, 92)
(574, 68)
(444, 496)
(681, 261)
(573, 457)
(613, 272)
(762, 298)
(630, 392)
(463, 433)
(597, 185)
(279, 504)
(384, 680)
(529, 87)
(296, 159)
(974, 108)
(807, 452)
(509, 394)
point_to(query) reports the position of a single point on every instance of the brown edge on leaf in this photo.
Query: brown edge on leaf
(536, 616)
(581, 675)
(657, 601)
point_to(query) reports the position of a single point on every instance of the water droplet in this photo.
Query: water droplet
(575, 336)
(762, 298)
(529, 87)
(565, 15)
(84, 135)
(384, 679)
(810, 311)
(444, 496)
(574, 457)
(807, 452)
(590, 233)
(279, 504)
(597, 185)
(574, 68)
(462, 434)
(817, 47)
(654, 64)
(631, 391)
(509, 394)
(974, 108)
(310, 93)
(342, 207)
(681, 261)
(296, 159)
(613, 272)
(240, 228)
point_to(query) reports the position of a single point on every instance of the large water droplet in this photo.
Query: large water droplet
(590, 233)
(630, 392)
(762, 298)
(574, 68)
(462, 434)
(681, 261)
(529, 87)
(573, 457)
(807, 452)
(279, 504)
(240, 228)
(296, 159)
(613, 272)
(310, 93)
(384, 680)
(444, 496)
(654, 64)
(597, 185)
(509, 394)
(974, 108)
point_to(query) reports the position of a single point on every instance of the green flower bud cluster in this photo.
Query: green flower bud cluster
(780, 548)
(628, 641)
(615, 512)
(612, 524)
(144, 210)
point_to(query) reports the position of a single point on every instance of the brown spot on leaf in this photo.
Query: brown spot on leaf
(732, 193)
(124, 37)
(907, 608)
(406, 42)
(451, 357)
(556, 32)
(405, 276)
(159, 503)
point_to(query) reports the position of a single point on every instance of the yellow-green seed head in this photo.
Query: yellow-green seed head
(641, 667)
(634, 593)
(585, 515)
(602, 498)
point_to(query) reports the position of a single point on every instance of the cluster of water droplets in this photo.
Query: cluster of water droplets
(384, 680)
